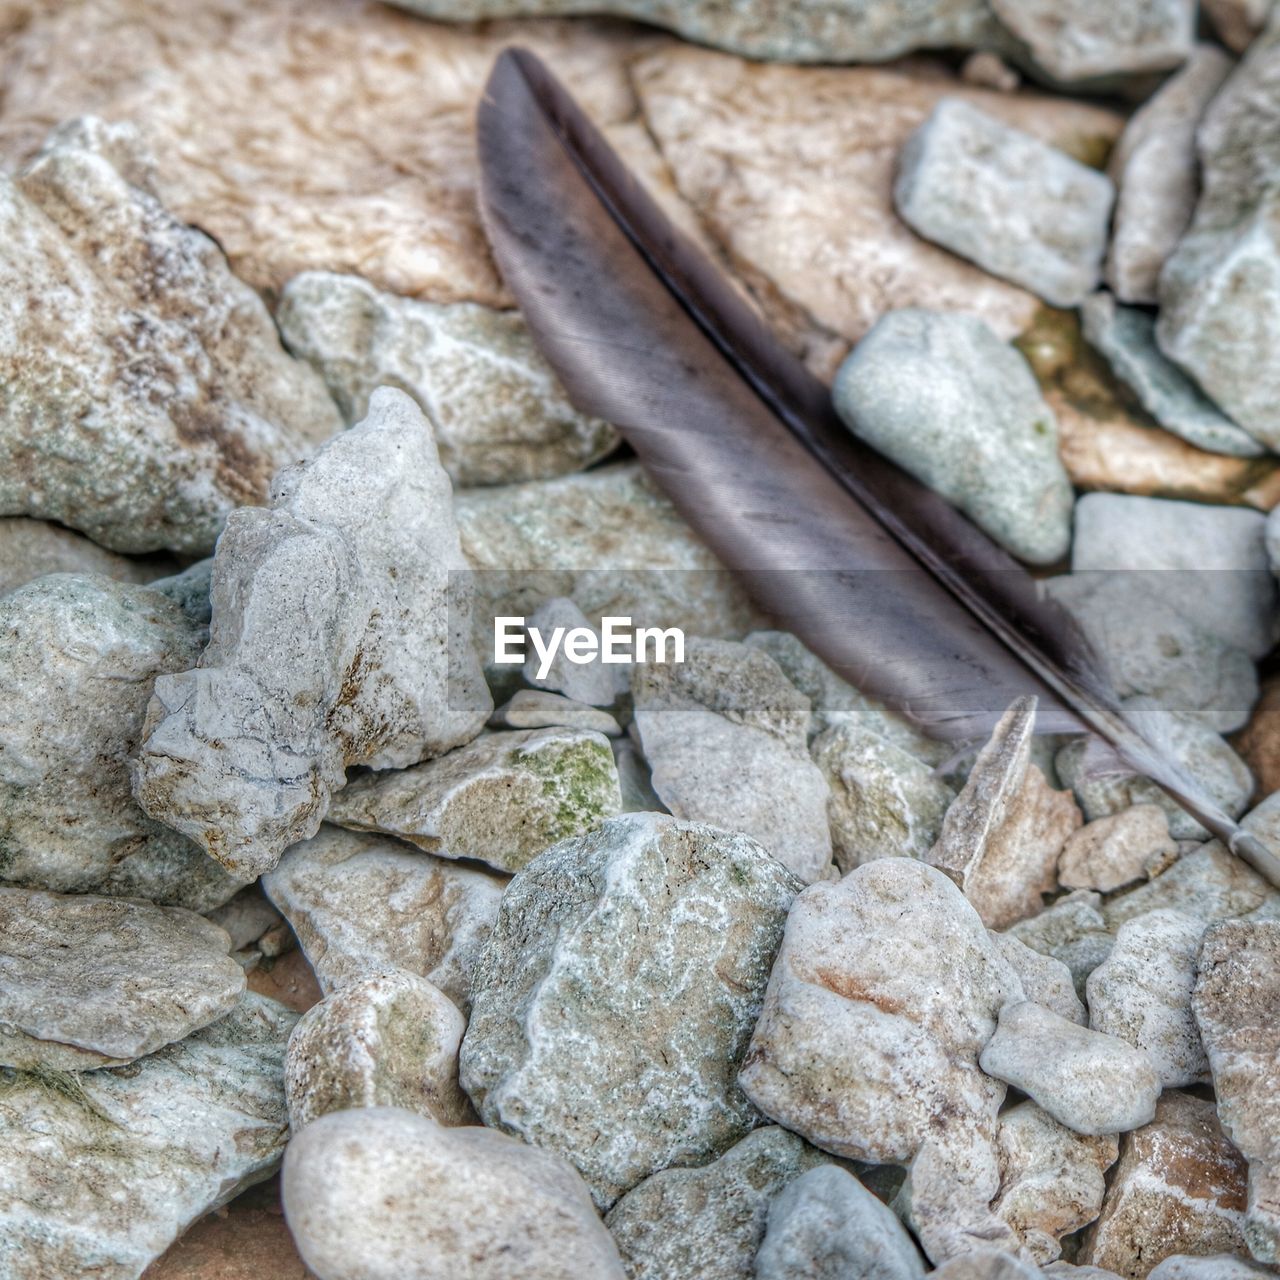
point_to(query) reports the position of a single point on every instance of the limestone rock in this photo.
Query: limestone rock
(501, 799)
(243, 753)
(1220, 1266)
(1237, 21)
(985, 1264)
(1002, 199)
(617, 992)
(247, 917)
(951, 403)
(31, 548)
(635, 779)
(1045, 979)
(496, 409)
(385, 1192)
(538, 709)
(1109, 853)
(362, 904)
(388, 1040)
(1259, 742)
(1072, 930)
(104, 1170)
(595, 683)
(79, 655)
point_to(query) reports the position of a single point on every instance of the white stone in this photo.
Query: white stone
(538, 709)
(31, 548)
(1045, 979)
(594, 682)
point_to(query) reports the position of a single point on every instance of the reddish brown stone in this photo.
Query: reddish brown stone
(288, 979)
(1259, 741)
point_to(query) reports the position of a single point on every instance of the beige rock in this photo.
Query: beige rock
(1237, 21)
(538, 709)
(1111, 852)
(1045, 979)
(1259, 742)
(1073, 930)
(984, 1264)
(31, 548)
(1220, 1266)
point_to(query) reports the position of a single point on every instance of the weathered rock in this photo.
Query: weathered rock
(826, 1225)
(246, 917)
(385, 1192)
(79, 655)
(1237, 996)
(388, 1040)
(361, 904)
(951, 403)
(243, 753)
(1178, 1187)
(1142, 993)
(998, 197)
(1002, 835)
(103, 1170)
(1237, 21)
(1155, 170)
(1220, 1266)
(617, 992)
(724, 733)
(172, 362)
(501, 799)
(635, 779)
(707, 1223)
(538, 709)
(496, 409)
(31, 548)
(885, 990)
(595, 683)
(988, 70)
(1259, 742)
(984, 1264)
(1046, 980)
(1112, 852)
(1072, 930)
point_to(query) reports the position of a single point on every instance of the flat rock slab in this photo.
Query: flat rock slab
(31, 548)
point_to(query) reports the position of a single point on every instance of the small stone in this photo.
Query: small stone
(1220, 1266)
(31, 548)
(1044, 979)
(385, 1192)
(984, 1264)
(105, 1169)
(538, 709)
(594, 683)
(1155, 170)
(1237, 21)
(1092, 1083)
(496, 409)
(1071, 930)
(1112, 852)
(1006, 201)
(988, 70)
(827, 1226)
(388, 1040)
(1074, 1272)
(1179, 1186)
(1259, 743)
(617, 992)
(1236, 1002)
(946, 399)
(635, 779)
(1142, 994)
(724, 733)
(247, 917)
(243, 753)
(1002, 835)
(707, 1223)
(501, 799)
(363, 904)
(1126, 336)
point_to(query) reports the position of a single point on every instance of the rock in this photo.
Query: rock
(1179, 1186)
(175, 363)
(996, 457)
(998, 197)
(707, 1223)
(538, 709)
(1045, 979)
(385, 1192)
(243, 753)
(1155, 171)
(247, 917)
(496, 409)
(1126, 337)
(1051, 1180)
(79, 655)
(1071, 930)
(1237, 995)
(635, 780)
(826, 1225)
(1112, 852)
(988, 70)
(984, 1264)
(1220, 1266)
(361, 904)
(724, 733)
(91, 982)
(388, 1040)
(1079, 1273)
(31, 548)
(1259, 742)
(103, 1170)
(501, 799)
(1092, 1083)
(885, 990)
(1237, 21)
(593, 682)
(1002, 835)
(617, 992)
(1142, 993)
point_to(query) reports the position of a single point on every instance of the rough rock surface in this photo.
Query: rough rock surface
(596, 683)
(78, 657)
(361, 904)
(1002, 199)
(1220, 1266)
(385, 1192)
(1073, 931)
(388, 1040)
(103, 1170)
(502, 798)
(496, 409)
(156, 396)
(1045, 979)
(1237, 21)
(951, 403)
(538, 709)
(1259, 742)
(243, 753)
(1112, 852)
(31, 548)
(622, 1054)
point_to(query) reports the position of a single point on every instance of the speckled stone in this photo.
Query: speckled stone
(1109, 853)
(1072, 930)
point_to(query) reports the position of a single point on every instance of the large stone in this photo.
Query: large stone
(951, 403)
(31, 548)
(338, 638)
(100, 1172)
(616, 995)
(147, 393)
(497, 411)
(79, 655)
(386, 1193)
(1112, 852)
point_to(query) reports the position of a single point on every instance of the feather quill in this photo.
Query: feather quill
(883, 579)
